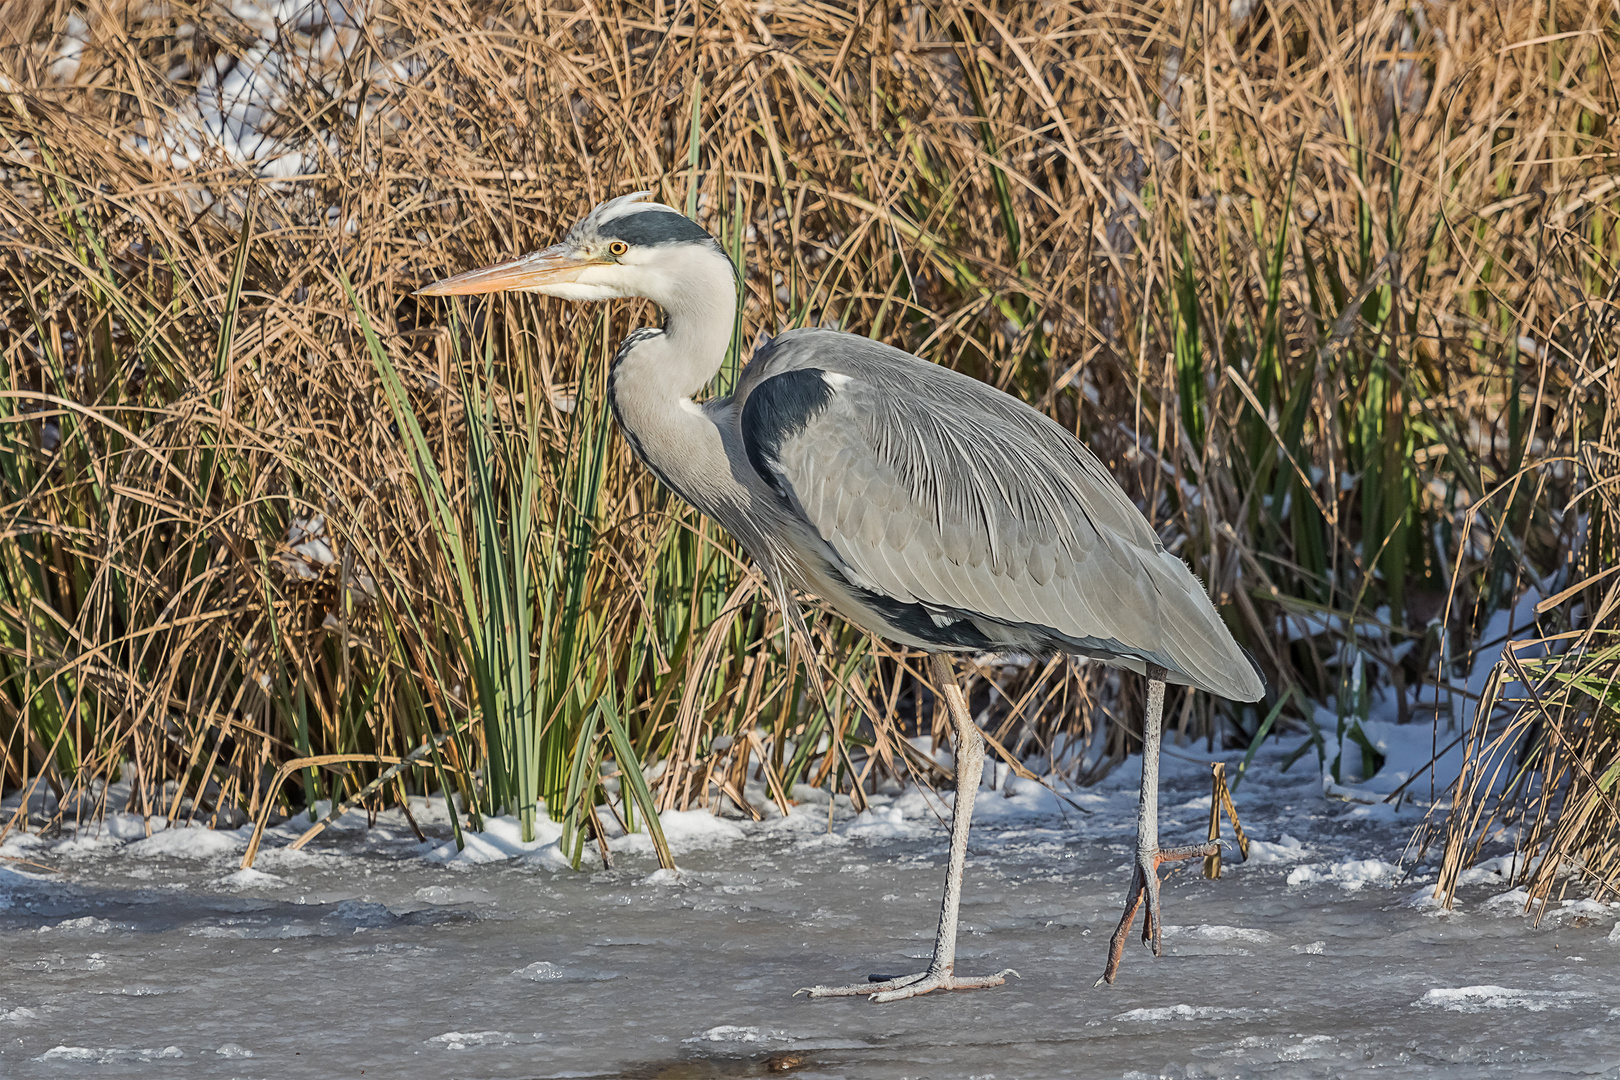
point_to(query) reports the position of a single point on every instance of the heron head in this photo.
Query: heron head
(624, 247)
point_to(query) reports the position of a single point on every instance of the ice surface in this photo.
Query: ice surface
(1319, 957)
(1471, 999)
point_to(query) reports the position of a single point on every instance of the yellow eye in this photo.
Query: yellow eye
(617, 248)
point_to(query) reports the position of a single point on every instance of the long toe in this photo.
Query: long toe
(1152, 919)
(1116, 944)
(931, 982)
(909, 986)
(874, 985)
(1145, 893)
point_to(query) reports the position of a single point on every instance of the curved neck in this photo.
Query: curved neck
(655, 376)
(699, 315)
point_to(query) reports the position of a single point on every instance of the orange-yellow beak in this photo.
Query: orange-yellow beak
(553, 266)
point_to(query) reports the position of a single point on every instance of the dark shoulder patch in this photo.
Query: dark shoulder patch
(953, 631)
(649, 228)
(776, 410)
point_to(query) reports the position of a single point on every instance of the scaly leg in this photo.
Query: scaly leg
(1149, 856)
(969, 772)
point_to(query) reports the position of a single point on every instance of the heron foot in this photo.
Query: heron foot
(882, 988)
(1145, 885)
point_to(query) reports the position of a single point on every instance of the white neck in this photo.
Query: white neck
(654, 380)
(700, 312)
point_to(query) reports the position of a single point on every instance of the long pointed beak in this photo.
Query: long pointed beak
(538, 269)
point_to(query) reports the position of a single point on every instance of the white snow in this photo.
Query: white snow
(684, 831)
(1285, 849)
(544, 971)
(466, 1040)
(501, 839)
(196, 842)
(251, 879)
(729, 1033)
(1425, 901)
(1473, 999)
(1185, 1013)
(1219, 933)
(1502, 868)
(1348, 874)
(85, 1055)
(892, 822)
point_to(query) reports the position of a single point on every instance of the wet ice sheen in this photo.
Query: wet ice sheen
(372, 951)
(1480, 998)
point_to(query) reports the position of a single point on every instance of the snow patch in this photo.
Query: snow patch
(888, 823)
(1473, 999)
(250, 879)
(1349, 874)
(684, 830)
(1217, 933)
(1286, 849)
(729, 1033)
(466, 1040)
(501, 839)
(87, 1055)
(196, 842)
(1512, 902)
(1498, 871)
(88, 924)
(545, 971)
(1185, 1013)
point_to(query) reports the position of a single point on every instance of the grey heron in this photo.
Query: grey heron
(920, 504)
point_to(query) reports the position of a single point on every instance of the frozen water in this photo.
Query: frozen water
(122, 957)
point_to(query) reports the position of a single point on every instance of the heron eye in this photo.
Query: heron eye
(618, 247)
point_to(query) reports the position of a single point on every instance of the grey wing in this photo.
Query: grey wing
(964, 519)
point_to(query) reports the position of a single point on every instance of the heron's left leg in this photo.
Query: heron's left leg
(1149, 856)
(941, 973)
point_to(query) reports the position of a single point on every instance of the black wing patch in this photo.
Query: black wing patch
(778, 409)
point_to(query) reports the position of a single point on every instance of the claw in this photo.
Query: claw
(1145, 893)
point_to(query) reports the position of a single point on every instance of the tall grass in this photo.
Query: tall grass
(1329, 286)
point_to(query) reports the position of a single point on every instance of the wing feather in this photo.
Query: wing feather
(931, 488)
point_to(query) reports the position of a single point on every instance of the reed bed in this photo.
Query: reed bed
(1330, 286)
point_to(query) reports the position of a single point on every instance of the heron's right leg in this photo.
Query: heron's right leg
(1149, 856)
(941, 973)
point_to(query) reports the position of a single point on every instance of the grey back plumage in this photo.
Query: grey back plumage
(965, 519)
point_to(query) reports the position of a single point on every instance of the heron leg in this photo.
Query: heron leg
(941, 973)
(1149, 856)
